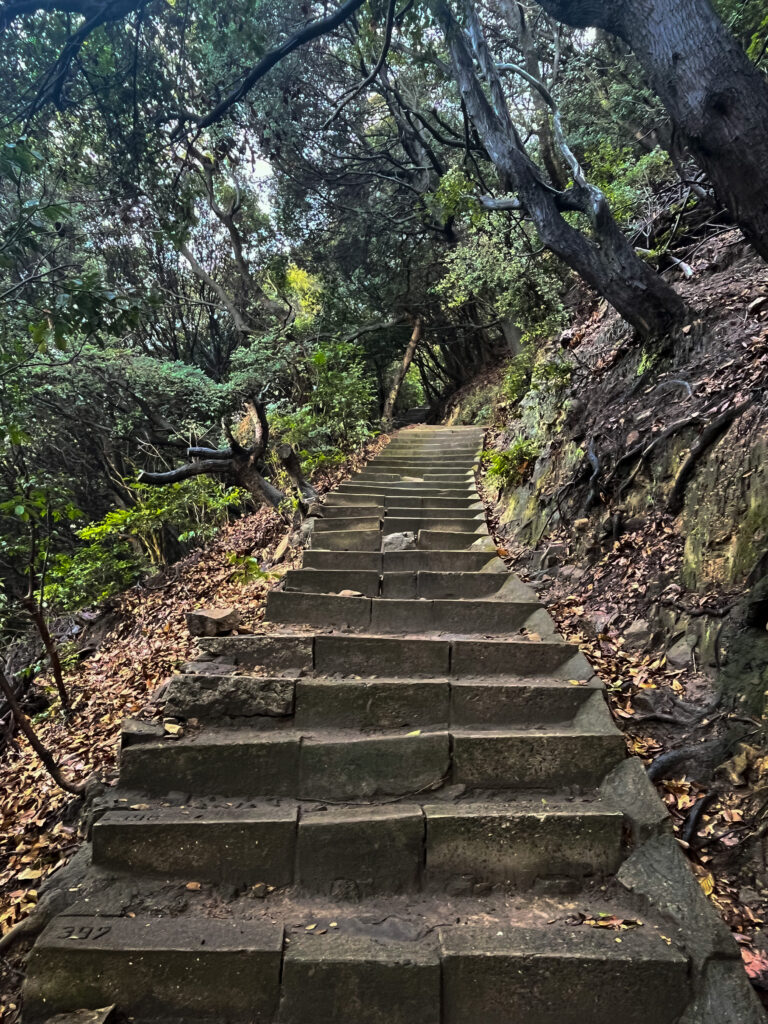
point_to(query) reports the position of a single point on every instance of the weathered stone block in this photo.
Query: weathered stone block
(498, 844)
(232, 845)
(371, 704)
(362, 767)
(214, 697)
(212, 621)
(174, 967)
(237, 762)
(560, 977)
(356, 980)
(535, 759)
(365, 849)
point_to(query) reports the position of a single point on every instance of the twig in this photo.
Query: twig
(76, 788)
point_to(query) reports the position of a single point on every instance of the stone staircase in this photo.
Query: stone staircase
(404, 802)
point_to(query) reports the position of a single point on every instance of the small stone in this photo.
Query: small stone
(258, 891)
(399, 541)
(212, 621)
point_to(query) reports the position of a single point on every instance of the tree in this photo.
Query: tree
(716, 98)
(606, 261)
(244, 464)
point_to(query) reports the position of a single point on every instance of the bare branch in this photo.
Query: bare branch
(173, 476)
(376, 69)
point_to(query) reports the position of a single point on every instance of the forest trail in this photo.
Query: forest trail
(404, 801)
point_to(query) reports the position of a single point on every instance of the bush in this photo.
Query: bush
(122, 546)
(336, 415)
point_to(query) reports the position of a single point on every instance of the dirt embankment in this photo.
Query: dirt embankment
(639, 510)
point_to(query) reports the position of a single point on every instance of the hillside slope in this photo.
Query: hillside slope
(630, 486)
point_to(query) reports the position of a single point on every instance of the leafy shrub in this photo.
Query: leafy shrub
(514, 466)
(336, 414)
(122, 546)
(551, 376)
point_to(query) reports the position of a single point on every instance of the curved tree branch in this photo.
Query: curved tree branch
(305, 35)
(173, 476)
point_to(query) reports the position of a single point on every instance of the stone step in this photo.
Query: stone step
(426, 512)
(490, 969)
(153, 967)
(444, 479)
(226, 844)
(225, 695)
(368, 655)
(407, 466)
(336, 499)
(405, 488)
(330, 581)
(369, 850)
(321, 702)
(397, 522)
(347, 765)
(385, 615)
(429, 540)
(348, 540)
(547, 758)
(404, 561)
(368, 523)
(371, 583)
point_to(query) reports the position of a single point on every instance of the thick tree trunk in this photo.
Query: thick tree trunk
(608, 262)
(715, 96)
(402, 370)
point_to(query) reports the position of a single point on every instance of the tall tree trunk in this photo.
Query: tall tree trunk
(402, 370)
(608, 262)
(715, 96)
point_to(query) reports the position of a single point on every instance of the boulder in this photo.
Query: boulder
(212, 621)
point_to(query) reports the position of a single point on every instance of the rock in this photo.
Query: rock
(212, 621)
(399, 541)
(571, 572)
(108, 1015)
(637, 635)
(634, 523)
(629, 787)
(307, 529)
(679, 654)
(632, 438)
(134, 731)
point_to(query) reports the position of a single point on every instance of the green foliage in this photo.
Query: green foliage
(517, 376)
(496, 260)
(122, 546)
(628, 181)
(552, 375)
(335, 416)
(514, 466)
(247, 569)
